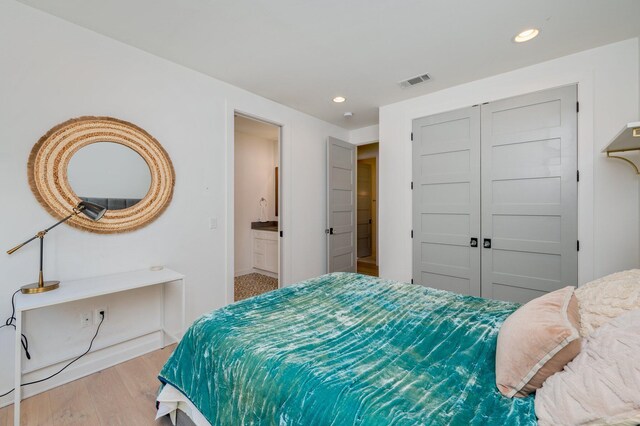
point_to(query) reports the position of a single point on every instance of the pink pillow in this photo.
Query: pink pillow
(536, 341)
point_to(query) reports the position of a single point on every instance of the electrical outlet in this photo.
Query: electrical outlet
(96, 314)
(85, 319)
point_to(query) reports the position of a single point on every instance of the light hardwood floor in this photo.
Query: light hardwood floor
(121, 395)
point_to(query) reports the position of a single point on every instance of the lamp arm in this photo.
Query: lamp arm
(19, 246)
(41, 234)
(75, 212)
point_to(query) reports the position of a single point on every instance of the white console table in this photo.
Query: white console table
(71, 291)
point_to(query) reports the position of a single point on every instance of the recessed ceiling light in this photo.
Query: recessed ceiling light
(339, 99)
(526, 35)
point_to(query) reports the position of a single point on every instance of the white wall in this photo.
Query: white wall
(50, 71)
(255, 161)
(608, 203)
(365, 135)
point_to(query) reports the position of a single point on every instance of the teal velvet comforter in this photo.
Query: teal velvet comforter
(345, 349)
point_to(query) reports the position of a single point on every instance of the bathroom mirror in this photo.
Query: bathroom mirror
(106, 161)
(109, 174)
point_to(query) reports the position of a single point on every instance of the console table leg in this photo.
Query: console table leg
(17, 393)
(183, 314)
(162, 316)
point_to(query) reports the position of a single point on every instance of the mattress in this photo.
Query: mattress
(345, 349)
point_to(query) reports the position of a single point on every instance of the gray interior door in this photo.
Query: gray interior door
(341, 209)
(446, 201)
(529, 194)
(364, 209)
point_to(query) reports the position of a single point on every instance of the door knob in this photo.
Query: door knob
(473, 242)
(486, 243)
(329, 231)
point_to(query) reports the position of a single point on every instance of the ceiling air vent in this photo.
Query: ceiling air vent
(414, 80)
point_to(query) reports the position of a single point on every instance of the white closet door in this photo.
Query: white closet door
(341, 209)
(446, 201)
(529, 194)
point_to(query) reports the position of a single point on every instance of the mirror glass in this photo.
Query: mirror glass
(109, 174)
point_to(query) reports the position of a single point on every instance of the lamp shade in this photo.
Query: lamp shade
(91, 210)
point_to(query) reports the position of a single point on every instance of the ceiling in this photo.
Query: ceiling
(302, 53)
(257, 128)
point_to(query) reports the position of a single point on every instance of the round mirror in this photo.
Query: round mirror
(109, 174)
(106, 161)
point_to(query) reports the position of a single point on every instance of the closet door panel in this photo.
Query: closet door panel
(446, 201)
(529, 194)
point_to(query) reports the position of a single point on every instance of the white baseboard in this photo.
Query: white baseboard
(255, 271)
(267, 273)
(93, 362)
(244, 272)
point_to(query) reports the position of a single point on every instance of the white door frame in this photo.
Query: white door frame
(284, 221)
(377, 177)
(370, 207)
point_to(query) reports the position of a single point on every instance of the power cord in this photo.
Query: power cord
(10, 322)
(65, 367)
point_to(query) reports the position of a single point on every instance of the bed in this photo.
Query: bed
(346, 349)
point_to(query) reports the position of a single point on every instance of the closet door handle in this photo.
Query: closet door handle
(486, 243)
(329, 231)
(473, 242)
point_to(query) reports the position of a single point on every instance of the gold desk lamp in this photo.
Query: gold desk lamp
(90, 210)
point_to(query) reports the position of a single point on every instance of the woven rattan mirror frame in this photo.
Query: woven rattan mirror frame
(49, 160)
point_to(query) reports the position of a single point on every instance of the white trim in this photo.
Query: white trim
(265, 273)
(257, 271)
(229, 252)
(377, 201)
(284, 220)
(243, 272)
(360, 143)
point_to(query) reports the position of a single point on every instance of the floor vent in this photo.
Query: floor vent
(414, 80)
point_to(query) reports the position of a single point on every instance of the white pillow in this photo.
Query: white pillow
(601, 386)
(604, 299)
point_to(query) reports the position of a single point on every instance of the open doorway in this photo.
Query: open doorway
(256, 207)
(367, 209)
